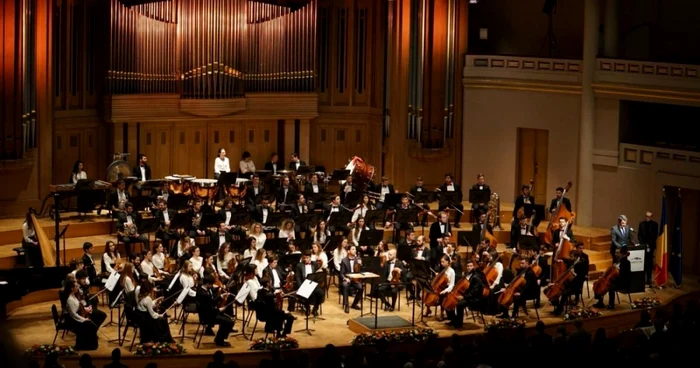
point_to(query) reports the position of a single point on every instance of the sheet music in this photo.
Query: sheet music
(112, 281)
(306, 288)
(183, 295)
(243, 293)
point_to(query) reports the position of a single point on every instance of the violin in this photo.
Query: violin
(357, 267)
(507, 297)
(439, 283)
(395, 276)
(156, 272)
(558, 213)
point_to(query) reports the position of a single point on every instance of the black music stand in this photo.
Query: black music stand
(178, 202)
(424, 197)
(479, 196)
(303, 244)
(371, 237)
(339, 220)
(306, 220)
(353, 198)
(393, 200)
(86, 197)
(374, 216)
(449, 199)
(180, 220)
(404, 216)
(320, 278)
(302, 170)
(276, 245)
(339, 175)
(423, 275)
(274, 219)
(529, 242)
(239, 246)
(148, 226)
(210, 220)
(226, 179)
(241, 217)
(470, 239)
(290, 259)
(141, 203)
(374, 265)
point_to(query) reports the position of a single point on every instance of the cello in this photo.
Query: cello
(603, 284)
(558, 213)
(450, 301)
(439, 283)
(507, 297)
(557, 287)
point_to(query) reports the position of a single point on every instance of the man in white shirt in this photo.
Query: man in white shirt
(295, 163)
(389, 286)
(347, 266)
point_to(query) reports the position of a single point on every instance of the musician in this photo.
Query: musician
(489, 258)
(30, 243)
(524, 228)
(211, 314)
(226, 216)
(197, 261)
(648, 232)
(449, 250)
(155, 326)
(446, 267)
(456, 203)
(322, 233)
(480, 186)
(555, 202)
(531, 289)
(356, 232)
(246, 166)
(404, 206)
(273, 165)
(252, 248)
(420, 252)
(405, 245)
(622, 282)
(285, 193)
(260, 261)
(184, 246)
(135, 260)
(128, 226)
(383, 189)
(89, 263)
(419, 188)
(196, 227)
(255, 188)
(481, 225)
(159, 259)
(142, 171)
(620, 234)
(361, 210)
(579, 261)
(250, 278)
(286, 230)
(347, 188)
(165, 216)
(567, 234)
(385, 288)
(187, 278)
(127, 280)
(347, 266)
(220, 237)
(334, 207)
(79, 320)
(521, 201)
(295, 162)
(438, 230)
(256, 231)
(224, 259)
(313, 188)
(303, 269)
(471, 298)
(81, 277)
(275, 273)
(221, 163)
(317, 254)
(149, 269)
(78, 173)
(339, 253)
(276, 319)
(119, 198)
(109, 257)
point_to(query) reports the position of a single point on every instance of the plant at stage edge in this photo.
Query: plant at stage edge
(394, 336)
(504, 324)
(44, 350)
(268, 343)
(576, 313)
(159, 349)
(646, 302)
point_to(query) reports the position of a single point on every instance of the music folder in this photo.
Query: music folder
(479, 196)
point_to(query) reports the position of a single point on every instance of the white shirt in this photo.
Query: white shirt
(109, 261)
(275, 279)
(222, 266)
(338, 255)
(143, 173)
(314, 188)
(383, 193)
(166, 217)
(323, 257)
(391, 269)
(27, 233)
(254, 286)
(79, 176)
(259, 240)
(262, 265)
(146, 305)
(249, 253)
(197, 265)
(246, 166)
(334, 209)
(188, 282)
(180, 251)
(265, 211)
(308, 269)
(355, 237)
(450, 273)
(451, 188)
(73, 305)
(128, 284)
(360, 212)
(320, 236)
(296, 165)
(221, 165)
(147, 268)
(228, 217)
(499, 269)
(158, 260)
(289, 234)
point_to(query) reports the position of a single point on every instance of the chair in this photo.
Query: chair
(187, 309)
(259, 316)
(629, 295)
(59, 323)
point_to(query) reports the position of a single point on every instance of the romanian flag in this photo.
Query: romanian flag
(675, 265)
(661, 261)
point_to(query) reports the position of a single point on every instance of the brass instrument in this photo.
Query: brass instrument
(196, 219)
(494, 209)
(130, 229)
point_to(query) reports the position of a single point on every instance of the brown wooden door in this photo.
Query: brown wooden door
(532, 162)
(156, 144)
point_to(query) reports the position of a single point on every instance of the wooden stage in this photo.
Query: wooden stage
(31, 322)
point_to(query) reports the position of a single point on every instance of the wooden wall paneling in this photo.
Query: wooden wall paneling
(362, 52)
(89, 152)
(155, 141)
(226, 135)
(190, 149)
(341, 72)
(75, 65)
(260, 139)
(66, 152)
(341, 152)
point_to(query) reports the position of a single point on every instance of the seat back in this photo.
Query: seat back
(56, 318)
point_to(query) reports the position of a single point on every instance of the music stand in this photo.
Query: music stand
(339, 219)
(275, 245)
(210, 220)
(274, 219)
(148, 226)
(371, 264)
(290, 259)
(470, 238)
(178, 202)
(423, 275)
(320, 279)
(405, 216)
(479, 196)
(371, 237)
(528, 242)
(306, 220)
(374, 216)
(240, 218)
(353, 198)
(239, 246)
(449, 199)
(303, 244)
(424, 197)
(180, 220)
(538, 209)
(340, 175)
(393, 200)
(141, 203)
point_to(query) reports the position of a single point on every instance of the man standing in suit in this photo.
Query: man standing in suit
(295, 162)
(438, 230)
(520, 202)
(347, 265)
(142, 171)
(481, 186)
(273, 165)
(454, 202)
(303, 269)
(620, 234)
(564, 202)
(648, 232)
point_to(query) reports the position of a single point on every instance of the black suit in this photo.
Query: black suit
(309, 194)
(556, 238)
(404, 225)
(471, 298)
(318, 295)
(385, 289)
(520, 202)
(250, 196)
(235, 230)
(127, 240)
(291, 196)
(648, 232)
(280, 273)
(275, 319)
(137, 172)
(272, 166)
(89, 265)
(345, 286)
(343, 194)
(259, 216)
(478, 227)
(293, 165)
(195, 217)
(414, 192)
(210, 315)
(457, 200)
(479, 208)
(215, 240)
(529, 292)
(435, 234)
(114, 199)
(340, 227)
(378, 189)
(161, 233)
(566, 202)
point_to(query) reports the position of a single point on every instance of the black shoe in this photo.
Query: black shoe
(315, 312)
(222, 343)
(599, 305)
(346, 309)
(209, 332)
(355, 306)
(504, 315)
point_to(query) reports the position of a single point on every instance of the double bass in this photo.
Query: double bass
(486, 234)
(558, 213)
(562, 251)
(521, 211)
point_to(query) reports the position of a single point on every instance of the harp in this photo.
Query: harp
(48, 254)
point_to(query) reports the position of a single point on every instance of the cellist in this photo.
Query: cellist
(621, 282)
(471, 298)
(531, 289)
(579, 260)
(445, 263)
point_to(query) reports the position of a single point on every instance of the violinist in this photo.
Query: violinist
(334, 207)
(361, 210)
(195, 226)
(184, 246)
(292, 249)
(226, 215)
(622, 281)
(317, 254)
(220, 237)
(390, 285)
(88, 262)
(276, 319)
(187, 280)
(347, 266)
(322, 232)
(150, 269)
(210, 269)
(383, 189)
(225, 261)
(439, 230)
(382, 249)
(339, 253)
(81, 277)
(471, 298)
(252, 248)
(165, 216)
(286, 194)
(445, 263)
(127, 279)
(110, 257)
(357, 231)
(407, 243)
(79, 319)
(250, 277)
(211, 314)
(564, 232)
(135, 260)
(260, 261)
(347, 188)
(197, 261)
(579, 260)
(286, 230)
(155, 325)
(531, 289)
(303, 269)
(300, 207)
(159, 259)
(482, 187)
(450, 186)
(419, 188)
(555, 202)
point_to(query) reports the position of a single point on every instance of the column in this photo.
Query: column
(610, 29)
(305, 140)
(584, 203)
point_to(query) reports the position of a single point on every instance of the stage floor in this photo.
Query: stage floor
(33, 324)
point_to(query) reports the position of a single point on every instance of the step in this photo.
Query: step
(11, 229)
(74, 249)
(603, 246)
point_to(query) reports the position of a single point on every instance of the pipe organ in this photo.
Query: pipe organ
(211, 49)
